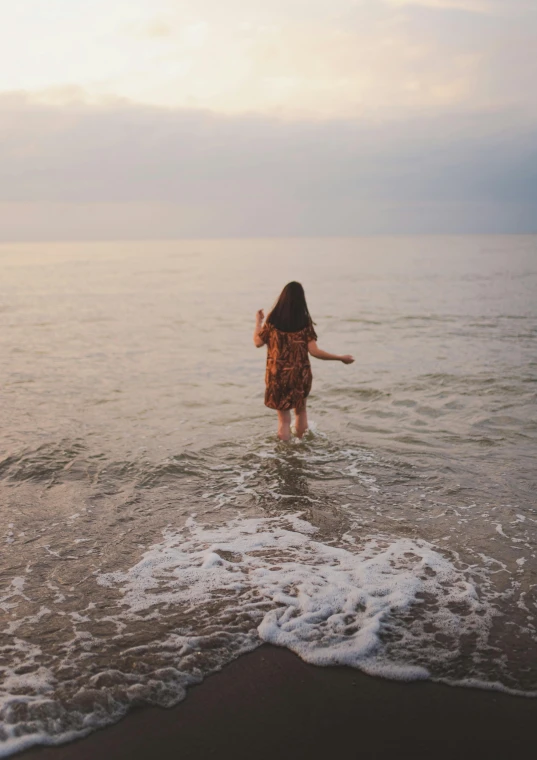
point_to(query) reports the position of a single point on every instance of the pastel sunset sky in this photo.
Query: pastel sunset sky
(209, 118)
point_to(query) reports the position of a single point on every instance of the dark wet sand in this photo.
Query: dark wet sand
(270, 704)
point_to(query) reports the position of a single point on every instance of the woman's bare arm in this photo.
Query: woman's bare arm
(318, 353)
(258, 327)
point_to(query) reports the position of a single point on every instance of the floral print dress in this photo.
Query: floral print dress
(288, 374)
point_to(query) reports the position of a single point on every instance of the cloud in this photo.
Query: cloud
(298, 58)
(151, 29)
(125, 170)
(471, 6)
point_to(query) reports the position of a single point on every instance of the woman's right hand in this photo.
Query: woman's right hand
(347, 359)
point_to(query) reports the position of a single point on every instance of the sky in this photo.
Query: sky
(213, 118)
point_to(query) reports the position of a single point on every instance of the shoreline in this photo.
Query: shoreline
(269, 703)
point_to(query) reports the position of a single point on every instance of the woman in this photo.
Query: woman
(289, 335)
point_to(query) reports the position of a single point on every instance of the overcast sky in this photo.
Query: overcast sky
(162, 118)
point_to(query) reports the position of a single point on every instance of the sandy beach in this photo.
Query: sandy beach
(269, 704)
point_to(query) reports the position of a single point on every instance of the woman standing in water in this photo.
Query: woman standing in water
(289, 335)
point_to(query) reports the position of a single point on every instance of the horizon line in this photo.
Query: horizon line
(10, 241)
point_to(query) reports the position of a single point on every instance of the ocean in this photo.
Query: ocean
(152, 526)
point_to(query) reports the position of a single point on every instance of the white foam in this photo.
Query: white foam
(15, 589)
(397, 608)
(15, 624)
(329, 605)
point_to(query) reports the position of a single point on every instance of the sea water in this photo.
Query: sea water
(153, 528)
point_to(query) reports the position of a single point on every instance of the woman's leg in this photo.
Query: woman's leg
(301, 421)
(284, 424)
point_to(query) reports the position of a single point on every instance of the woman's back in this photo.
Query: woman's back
(290, 338)
(288, 374)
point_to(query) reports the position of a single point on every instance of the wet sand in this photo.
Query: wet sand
(270, 704)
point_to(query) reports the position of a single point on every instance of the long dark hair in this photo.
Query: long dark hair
(290, 312)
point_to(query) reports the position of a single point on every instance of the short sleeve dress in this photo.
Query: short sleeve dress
(288, 375)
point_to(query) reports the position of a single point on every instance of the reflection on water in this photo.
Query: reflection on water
(136, 448)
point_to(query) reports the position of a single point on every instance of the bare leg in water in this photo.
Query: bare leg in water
(284, 425)
(301, 421)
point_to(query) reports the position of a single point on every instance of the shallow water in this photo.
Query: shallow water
(152, 526)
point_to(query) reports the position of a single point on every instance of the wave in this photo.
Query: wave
(205, 594)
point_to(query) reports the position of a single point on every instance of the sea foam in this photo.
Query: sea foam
(382, 608)
(204, 595)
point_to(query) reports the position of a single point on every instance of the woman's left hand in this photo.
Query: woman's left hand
(260, 315)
